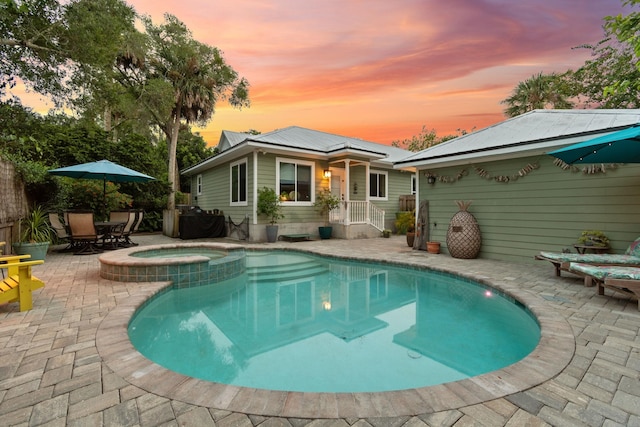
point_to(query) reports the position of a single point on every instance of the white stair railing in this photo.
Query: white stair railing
(358, 212)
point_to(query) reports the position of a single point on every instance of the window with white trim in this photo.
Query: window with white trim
(378, 185)
(413, 184)
(199, 185)
(295, 180)
(238, 182)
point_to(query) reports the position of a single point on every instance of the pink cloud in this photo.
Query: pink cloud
(379, 69)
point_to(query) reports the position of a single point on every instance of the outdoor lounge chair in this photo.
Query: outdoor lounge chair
(19, 283)
(561, 261)
(621, 279)
(83, 232)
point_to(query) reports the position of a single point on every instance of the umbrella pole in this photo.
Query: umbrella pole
(104, 195)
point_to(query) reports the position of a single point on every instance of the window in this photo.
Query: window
(378, 185)
(295, 181)
(199, 185)
(239, 183)
(413, 184)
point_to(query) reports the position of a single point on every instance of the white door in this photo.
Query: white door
(337, 183)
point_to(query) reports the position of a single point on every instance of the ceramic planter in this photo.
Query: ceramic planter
(38, 251)
(272, 233)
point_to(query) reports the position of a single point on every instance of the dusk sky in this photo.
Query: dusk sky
(379, 69)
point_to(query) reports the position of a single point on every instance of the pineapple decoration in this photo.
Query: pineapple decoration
(463, 235)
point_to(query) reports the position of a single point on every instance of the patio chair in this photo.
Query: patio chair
(83, 233)
(134, 229)
(19, 283)
(121, 234)
(61, 230)
(561, 261)
(621, 279)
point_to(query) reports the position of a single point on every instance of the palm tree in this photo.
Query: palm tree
(537, 92)
(198, 76)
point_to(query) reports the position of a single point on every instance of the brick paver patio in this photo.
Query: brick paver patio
(55, 372)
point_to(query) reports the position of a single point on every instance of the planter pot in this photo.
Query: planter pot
(272, 233)
(433, 247)
(325, 232)
(411, 237)
(38, 251)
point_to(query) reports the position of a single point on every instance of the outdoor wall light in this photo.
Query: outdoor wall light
(431, 179)
(326, 174)
(355, 188)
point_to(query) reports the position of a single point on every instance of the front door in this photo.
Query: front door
(337, 183)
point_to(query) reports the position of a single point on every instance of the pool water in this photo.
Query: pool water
(297, 322)
(179, 252)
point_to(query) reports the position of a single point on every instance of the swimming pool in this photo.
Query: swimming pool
(298, 322)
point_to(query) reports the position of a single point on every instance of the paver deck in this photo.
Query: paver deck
(65, 362)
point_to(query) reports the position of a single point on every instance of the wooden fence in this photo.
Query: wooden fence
(13, 204)
(407, 202)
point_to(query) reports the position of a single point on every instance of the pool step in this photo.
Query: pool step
(296, 270)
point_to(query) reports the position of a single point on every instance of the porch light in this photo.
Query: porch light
(326, 174)
(431, 179)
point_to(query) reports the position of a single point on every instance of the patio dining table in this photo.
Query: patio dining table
(108, 231)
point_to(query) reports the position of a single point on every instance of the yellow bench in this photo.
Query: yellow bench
(19, 283)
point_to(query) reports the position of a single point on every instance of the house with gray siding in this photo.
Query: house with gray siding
(298, 163)
(523, 199)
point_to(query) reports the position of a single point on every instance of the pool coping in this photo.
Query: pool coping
(552, 354)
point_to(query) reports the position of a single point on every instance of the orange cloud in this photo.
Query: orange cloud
(380, 70)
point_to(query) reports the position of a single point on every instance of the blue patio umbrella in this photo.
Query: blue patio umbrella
(104, 170)
(617, 147)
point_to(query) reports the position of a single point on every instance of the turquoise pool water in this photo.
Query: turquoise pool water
(298, 322)
(179, 252)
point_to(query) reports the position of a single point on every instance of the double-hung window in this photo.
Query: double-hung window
(378, 185)
(239, 183)
(295, 181)
(199, 185)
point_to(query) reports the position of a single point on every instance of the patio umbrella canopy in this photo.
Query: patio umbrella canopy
(618, 147)
(104, 170)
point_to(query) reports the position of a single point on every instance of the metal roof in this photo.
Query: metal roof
(229, 139)
(535, 132)
(297, 140)
(296, 137)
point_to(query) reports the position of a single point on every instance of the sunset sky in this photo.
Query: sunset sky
(379, 69)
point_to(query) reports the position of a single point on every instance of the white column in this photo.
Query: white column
(347, 194)
(255, 188)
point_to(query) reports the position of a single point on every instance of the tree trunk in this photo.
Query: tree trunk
(172, 148)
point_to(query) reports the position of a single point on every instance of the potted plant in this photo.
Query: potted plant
(269, 206)
(406, 223)
(326, 202)
(594, 238)
(35, 234)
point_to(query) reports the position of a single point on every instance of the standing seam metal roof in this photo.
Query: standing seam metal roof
(530, 129)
